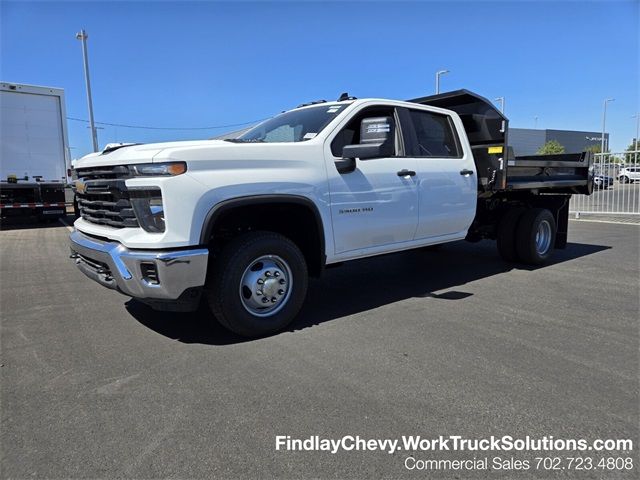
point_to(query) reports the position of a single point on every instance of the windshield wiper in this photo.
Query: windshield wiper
(111, 147)
(243, 140)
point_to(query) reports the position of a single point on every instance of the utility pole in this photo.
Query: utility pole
(604, 123)
(637, 117)
(501, 100)
(82, 36)
(438, 73)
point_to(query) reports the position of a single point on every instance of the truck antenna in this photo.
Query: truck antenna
(345, 96)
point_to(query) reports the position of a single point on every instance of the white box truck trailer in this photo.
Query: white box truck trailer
(34, 153)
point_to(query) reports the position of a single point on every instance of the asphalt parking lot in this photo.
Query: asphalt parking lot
(420, 343)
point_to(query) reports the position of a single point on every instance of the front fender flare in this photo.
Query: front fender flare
(214, 213)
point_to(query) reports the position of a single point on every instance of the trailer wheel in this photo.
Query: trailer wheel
(506, 237)
(536, 236)
(257, 284)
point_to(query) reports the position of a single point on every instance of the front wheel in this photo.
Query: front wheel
(257, 284)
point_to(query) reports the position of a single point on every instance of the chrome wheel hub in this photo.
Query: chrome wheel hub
(543, 237)
(265, 286)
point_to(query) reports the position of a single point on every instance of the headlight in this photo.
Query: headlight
(155, 169)
(147, 205)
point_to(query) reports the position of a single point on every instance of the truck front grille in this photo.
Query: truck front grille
(103, 197)
(104, 173)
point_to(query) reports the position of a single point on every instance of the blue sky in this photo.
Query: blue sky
(180, 64)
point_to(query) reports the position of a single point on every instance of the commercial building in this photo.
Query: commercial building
(527, 141)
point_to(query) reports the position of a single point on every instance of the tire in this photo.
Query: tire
(238, 276)
(76, 207)
(535, 236)
(506, 236)
(625, 180)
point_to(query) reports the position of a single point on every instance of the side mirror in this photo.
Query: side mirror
(365, 151)
(345, 165)
(361, 151)
(377, 139)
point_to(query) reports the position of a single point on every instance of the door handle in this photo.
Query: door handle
(406, 173)
(466, 172)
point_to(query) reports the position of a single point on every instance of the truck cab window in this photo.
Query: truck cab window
(435, 135)
(350, 134)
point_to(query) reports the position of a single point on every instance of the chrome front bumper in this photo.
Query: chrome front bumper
(115, 266)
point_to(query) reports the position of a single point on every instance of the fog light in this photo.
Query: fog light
(150, 273)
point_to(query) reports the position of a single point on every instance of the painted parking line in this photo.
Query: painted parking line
(617, 222)
(64, 222)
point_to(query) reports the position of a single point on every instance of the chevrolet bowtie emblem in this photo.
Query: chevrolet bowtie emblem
(80, 186)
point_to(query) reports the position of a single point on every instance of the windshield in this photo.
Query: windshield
(293, 126)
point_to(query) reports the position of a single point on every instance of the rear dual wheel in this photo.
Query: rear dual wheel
(506, 238)
(527, 235)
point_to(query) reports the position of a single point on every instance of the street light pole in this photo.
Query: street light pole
(82, 36)
(438, 73)
(501, 100)
(637, 117)
(604, 123)
(535, 120)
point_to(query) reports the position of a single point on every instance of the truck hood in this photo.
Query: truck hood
(224, 154)
(133, 154)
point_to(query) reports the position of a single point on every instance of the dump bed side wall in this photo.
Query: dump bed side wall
(561, 173)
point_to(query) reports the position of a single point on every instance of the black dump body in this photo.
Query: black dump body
(498, 170)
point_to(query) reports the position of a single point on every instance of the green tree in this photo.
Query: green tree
(631, 157)
(608, 157)
(550, 148)
(594, 149)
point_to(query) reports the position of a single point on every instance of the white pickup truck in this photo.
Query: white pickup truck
(245, 221)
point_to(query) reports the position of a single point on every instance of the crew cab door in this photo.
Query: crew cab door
(374, 201)
(446, 176)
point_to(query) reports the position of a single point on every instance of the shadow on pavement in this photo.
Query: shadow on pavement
(363, 285)
(24, 223)
(188, 327)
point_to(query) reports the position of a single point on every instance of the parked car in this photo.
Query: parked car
(629, 174)
(602, 181)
